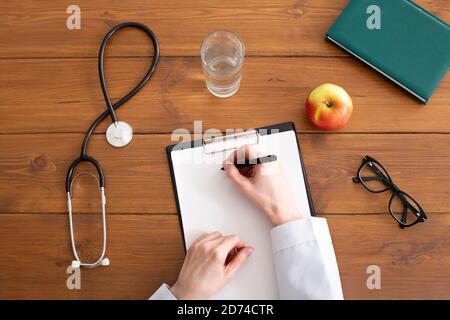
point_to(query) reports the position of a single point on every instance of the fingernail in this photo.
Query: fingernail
(249, 250)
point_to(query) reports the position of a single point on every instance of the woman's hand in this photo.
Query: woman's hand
(265, 185)
(211, 261)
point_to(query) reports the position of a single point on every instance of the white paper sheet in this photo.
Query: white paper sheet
(210, 202)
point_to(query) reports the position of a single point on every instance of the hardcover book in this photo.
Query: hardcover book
(398, 39)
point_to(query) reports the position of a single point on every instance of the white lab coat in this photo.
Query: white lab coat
(305, 263)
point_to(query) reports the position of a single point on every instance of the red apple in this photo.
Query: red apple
(329, 107)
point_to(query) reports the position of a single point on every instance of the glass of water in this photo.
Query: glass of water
(222, 54)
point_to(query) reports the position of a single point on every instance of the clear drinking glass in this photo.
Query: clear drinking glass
(222, 54)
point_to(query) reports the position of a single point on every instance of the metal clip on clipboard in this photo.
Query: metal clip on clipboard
(230, 141)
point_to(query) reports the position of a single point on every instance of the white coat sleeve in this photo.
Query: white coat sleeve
(163, 293)
(305, 262)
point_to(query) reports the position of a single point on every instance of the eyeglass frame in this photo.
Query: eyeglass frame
(390, 185)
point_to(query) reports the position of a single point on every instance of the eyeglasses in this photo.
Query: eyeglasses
(402, 207)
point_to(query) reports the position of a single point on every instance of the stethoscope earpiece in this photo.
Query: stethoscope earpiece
(104, 262)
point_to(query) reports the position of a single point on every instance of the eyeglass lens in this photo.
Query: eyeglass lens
(404, 209)
(374, 177)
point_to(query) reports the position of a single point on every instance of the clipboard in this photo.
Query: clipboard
(192, 196)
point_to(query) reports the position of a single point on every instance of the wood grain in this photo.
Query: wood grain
(36, 253)
(33, 170)
(147, 250)
(64, 95)
(412, 261)
(50, 93)
(268, 27)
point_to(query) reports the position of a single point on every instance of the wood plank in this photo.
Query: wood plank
(36, 253)
(268, 27)
(147, 250)
(411, 260)
(64, 95)
(33, 169)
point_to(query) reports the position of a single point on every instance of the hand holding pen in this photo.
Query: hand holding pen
(250, 162)
(264, 184)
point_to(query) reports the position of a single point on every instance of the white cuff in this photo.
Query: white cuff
(298, 232)
(163, 293)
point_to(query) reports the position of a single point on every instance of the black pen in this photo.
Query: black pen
(251, 162)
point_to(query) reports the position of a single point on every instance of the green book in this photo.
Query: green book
(398, 39)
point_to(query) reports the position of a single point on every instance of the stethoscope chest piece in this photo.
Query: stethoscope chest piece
(119, 134)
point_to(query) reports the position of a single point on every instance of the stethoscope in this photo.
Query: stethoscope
(118, 134)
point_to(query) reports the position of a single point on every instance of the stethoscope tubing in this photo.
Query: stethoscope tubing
(75, 163)
(72, 233)
(101, 68)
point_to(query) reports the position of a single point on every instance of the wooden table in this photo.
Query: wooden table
(50, 93)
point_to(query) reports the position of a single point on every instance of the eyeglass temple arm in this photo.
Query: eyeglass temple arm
(364, 179)
(404, 214)
(380, 176)
(405, 210)
(406, 204)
